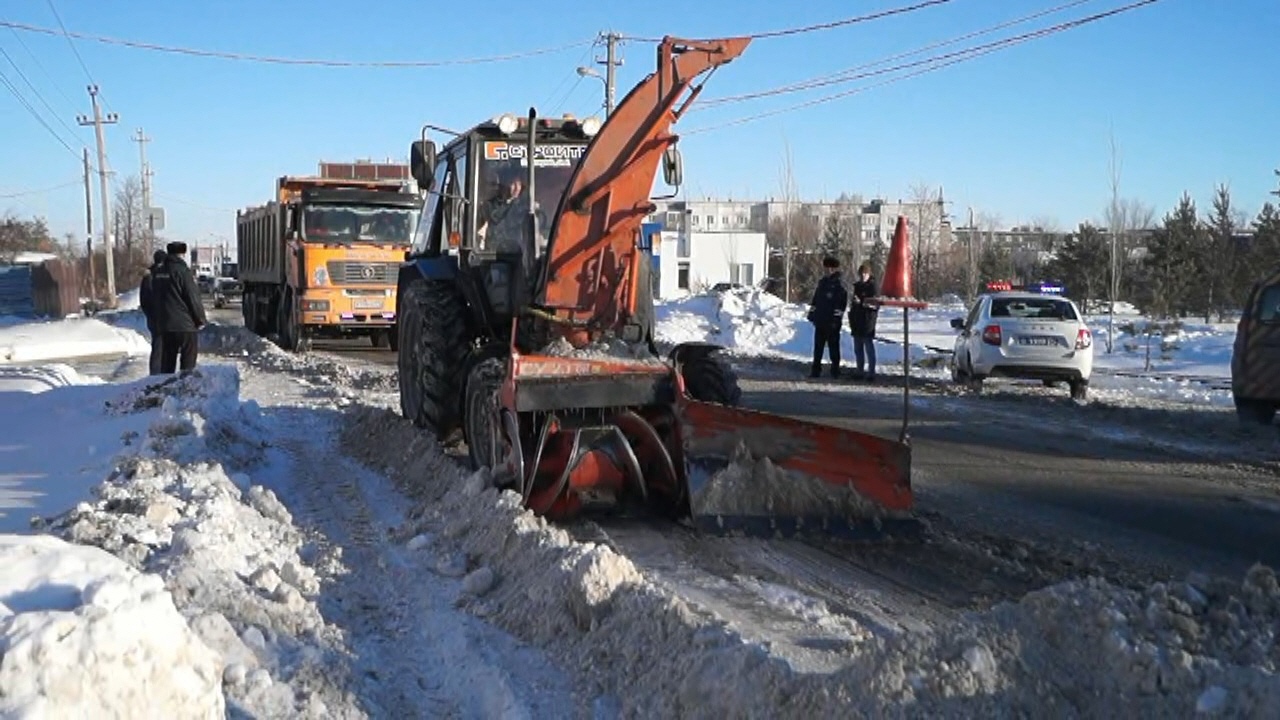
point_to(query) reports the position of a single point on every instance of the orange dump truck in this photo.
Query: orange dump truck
(321, 259)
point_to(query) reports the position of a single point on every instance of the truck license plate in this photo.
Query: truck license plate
(368, 304)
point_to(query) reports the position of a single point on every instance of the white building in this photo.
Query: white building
(689, 262)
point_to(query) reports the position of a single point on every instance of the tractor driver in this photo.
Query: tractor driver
(505, 225)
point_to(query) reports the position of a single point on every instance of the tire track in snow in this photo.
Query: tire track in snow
(415, 654)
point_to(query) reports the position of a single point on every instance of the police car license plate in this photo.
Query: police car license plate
(375, 304)
(1035, 340)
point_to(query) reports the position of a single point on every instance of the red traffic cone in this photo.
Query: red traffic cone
(897, 271)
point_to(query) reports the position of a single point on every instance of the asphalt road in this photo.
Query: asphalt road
(1049, 473)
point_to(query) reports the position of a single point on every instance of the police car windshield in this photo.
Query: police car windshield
(354, 223)
(504, 173)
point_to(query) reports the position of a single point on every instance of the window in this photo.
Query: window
(673, 220)
(1045, 308)
(711, 220)
(426, 240)
(724, 220)
(742, 273)
(742, 220)
(695, 220)
(682, 276)
(682, 245)
(1269, 304)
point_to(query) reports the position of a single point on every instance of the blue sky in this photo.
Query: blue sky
(1187, 86)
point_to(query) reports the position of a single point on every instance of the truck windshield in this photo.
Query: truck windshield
(356, 223)
(504, 173)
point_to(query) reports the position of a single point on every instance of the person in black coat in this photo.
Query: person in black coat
(178, 309)
(825, 312)
(147, 303)
(863, 311)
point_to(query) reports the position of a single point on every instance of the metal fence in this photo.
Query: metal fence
(47, 289)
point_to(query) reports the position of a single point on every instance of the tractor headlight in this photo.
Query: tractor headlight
(590, 126)
(507, 123)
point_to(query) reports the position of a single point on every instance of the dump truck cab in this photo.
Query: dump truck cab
(1255, 357)
(485, 221)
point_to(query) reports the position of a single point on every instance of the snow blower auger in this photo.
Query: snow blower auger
(535, 338)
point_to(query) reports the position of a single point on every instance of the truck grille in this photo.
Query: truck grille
(342, 272)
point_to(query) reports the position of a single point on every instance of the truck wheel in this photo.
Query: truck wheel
(1254, 412)
(711, 380)
(432, 315)
(378, 338)
(287, 324)
(393, 338)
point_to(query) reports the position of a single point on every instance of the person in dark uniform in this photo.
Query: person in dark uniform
(826, 312)
(146, 301)
(179, 312)
(863, 312)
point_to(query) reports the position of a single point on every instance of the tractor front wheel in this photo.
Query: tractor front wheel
(432, 318)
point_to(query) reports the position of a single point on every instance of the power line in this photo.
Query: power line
(824, 25)
(853, 73)
(954, 58)
(296, 61)
(5, 80)
(37, 92)
(41, 191)
(67, 35)
(41, 67)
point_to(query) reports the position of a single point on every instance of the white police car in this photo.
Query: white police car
(1026, 335)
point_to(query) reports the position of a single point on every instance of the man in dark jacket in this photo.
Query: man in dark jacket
(146, 301)
(863, 311)
(179, 312)
(826, 312)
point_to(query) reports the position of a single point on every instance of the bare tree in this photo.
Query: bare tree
(927, 211)
(1124, 218)
(129, 215)
(787, 181)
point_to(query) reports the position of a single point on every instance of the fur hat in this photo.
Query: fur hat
(176, 248)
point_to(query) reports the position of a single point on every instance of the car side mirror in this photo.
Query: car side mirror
(422, 163)
(672, 166)
(957, 323)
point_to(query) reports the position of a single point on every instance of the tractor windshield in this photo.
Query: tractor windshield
(502, 212)
(357, 223)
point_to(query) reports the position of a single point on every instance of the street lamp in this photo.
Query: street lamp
(589, 72)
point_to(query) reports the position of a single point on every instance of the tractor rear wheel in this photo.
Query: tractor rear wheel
(432, 319)
(710, 379)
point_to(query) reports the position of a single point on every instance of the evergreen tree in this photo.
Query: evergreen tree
(879, 257)
(1220, 258)
(995, 263)
(1173, 262)
(1083, 264)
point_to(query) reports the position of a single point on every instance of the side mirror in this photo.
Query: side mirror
(672, 166)
(957, 323)
(422, 163)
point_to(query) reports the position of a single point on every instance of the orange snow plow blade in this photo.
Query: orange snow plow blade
(759, 473)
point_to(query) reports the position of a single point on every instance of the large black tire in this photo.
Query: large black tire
(1254, 412)
(710, 379)
(480, 417)
(433, 321)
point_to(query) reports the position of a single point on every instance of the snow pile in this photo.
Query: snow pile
(181, 506)
(75, 337)
(752, 322)
(1084, 648)
(1172, 347)
(610, 349)
(83, 634)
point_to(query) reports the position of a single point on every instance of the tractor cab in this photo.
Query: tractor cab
(488, 211)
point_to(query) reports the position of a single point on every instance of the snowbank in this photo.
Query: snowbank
(1085, 648)
(755, 323)
(72, 338)
(83, 634)
(39, 378)
(182, 506)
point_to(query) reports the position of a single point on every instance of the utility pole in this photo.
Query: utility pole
(88, 226)
(108, 242)
(971, 279)
(142, 141)
(611, 62)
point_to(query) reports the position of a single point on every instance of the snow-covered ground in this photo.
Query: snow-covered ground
(1187, 364)
(266, 537)
(71, 338)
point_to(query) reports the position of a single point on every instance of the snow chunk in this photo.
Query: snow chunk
(88, 635)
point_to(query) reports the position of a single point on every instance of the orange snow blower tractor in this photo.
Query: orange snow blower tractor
(526, 319)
